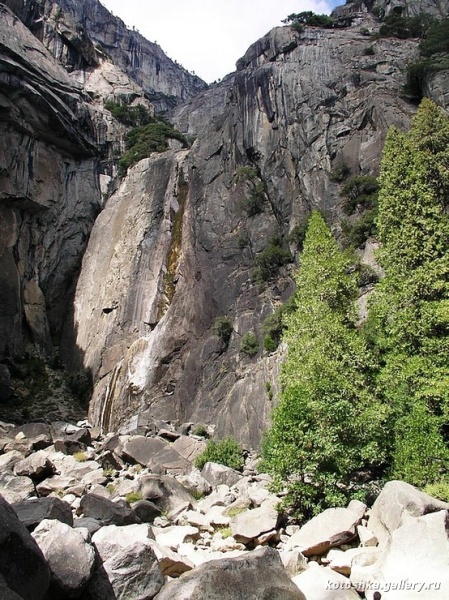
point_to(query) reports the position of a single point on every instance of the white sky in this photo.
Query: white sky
(209, 36)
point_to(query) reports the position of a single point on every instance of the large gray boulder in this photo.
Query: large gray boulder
(22, 564)
(415, 564)
(141, 450)
(217, 474)
(319, 583)
(331, 528)
(131, 574)
(34, 510)
(70, 558)
(257, 575)
(250, 524)
(111, 540)
(106, 511)
(166, 493)
(397, 501)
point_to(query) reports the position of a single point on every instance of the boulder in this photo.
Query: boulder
(251, 524)
(37, 466)
(167, 460)
(396, 502)
(56, 483)
(172, 537)
(106, 511)
(7, 593)
(321, 583)
(256, 575)
(171, 563)
(366, 536)
(217, 474)
(92, 525)
(111, 540)
(194, 482)
(415, 565)
(70, 558)
(141, 450)
(9, 459)
(131, 574)
(68, 446)
(18, 488)
(35, 431)
(167, 493)
(342, 561)
(34, 510)
(146, 511)
(331, 528)
(189, 447)
(22, 564)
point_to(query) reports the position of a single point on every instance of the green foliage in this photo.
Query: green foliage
(406, 27)
(328, 425)
(434, 50)
(274, 324)
(298, 234)
(369, 51)
(340, 172)
(270, 260)
(360, 199)
(436, 39)
(296, 20)
(146, 139)
(439, 489)
(201, 431)
(254, 201)
(131, 116)
(80, 456)
(249, 344)
(226, 452)
(360, 192)
(223, 328)
(133, 497)
(409, 314)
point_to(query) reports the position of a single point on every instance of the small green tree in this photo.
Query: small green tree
(328, 425)
(223, 329)
(250, 344)
(226, 452)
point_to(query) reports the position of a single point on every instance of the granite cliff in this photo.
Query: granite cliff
(177, 243)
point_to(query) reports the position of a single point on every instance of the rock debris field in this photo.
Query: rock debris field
(129, 517)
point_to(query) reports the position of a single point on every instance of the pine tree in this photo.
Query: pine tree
(327, 427)
(409, 315)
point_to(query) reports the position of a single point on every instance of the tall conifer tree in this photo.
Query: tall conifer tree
(409, 315)
(327, 425)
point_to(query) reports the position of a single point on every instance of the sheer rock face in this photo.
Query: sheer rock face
(79, 34)
(297, 106)
(174, 247)
(49, 186)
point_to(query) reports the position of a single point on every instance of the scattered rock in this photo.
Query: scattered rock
(106, 511)
(331, 528)
(217, 474)
(22, 563)
(257, 575)
(131, 574)
(250, 524)
(34, 510)
(321, 583)
(396, 502)
(70, 558)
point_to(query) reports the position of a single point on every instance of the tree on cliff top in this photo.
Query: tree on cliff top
(327, 427)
